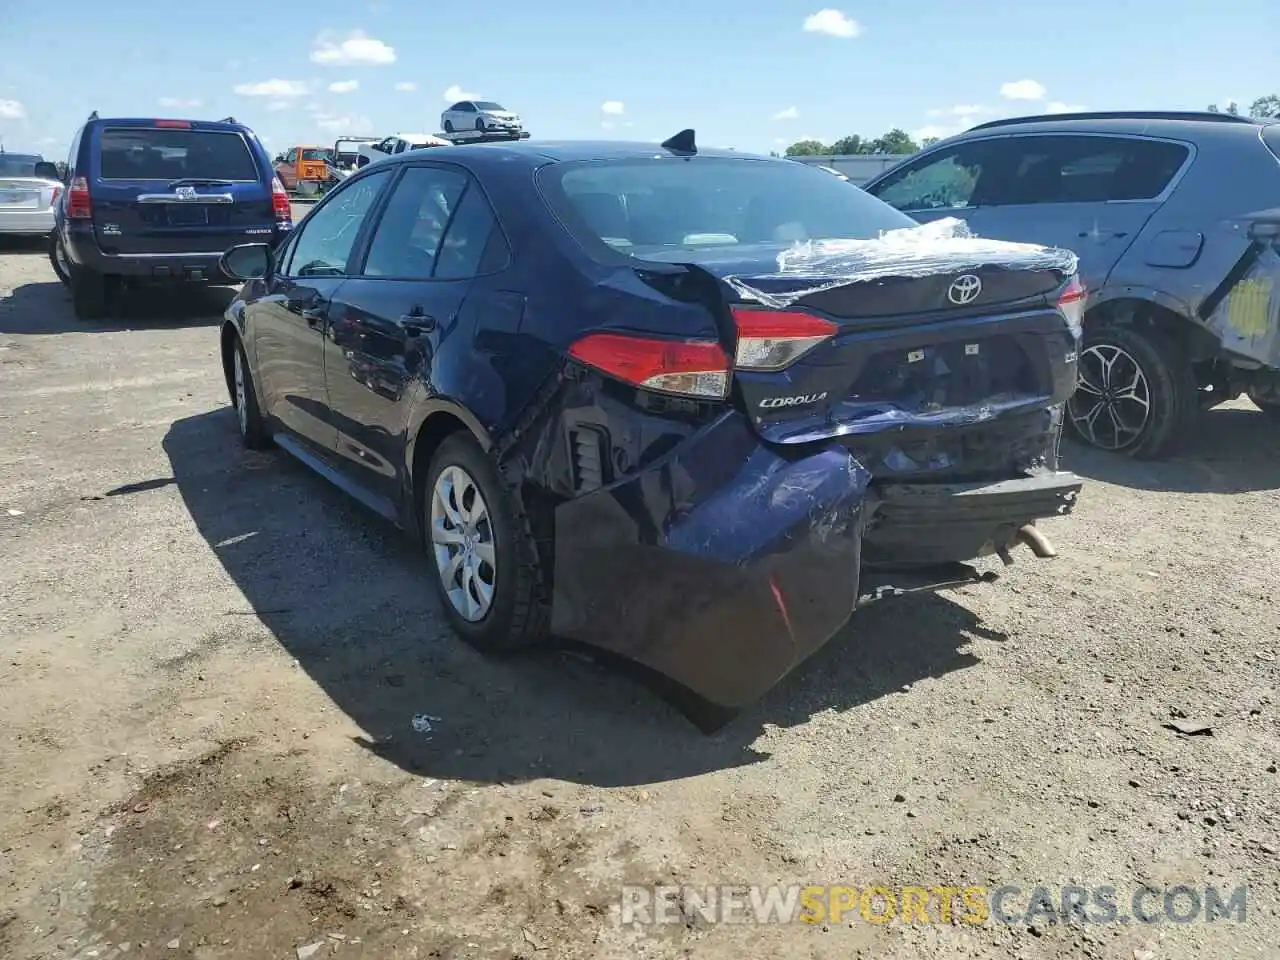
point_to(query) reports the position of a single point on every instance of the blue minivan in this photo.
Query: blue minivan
(160, 201)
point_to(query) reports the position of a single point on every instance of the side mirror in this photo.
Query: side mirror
(47, 171)
(246, 261)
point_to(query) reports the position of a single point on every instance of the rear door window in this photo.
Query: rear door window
(140, 153)
(1083, 169)
(407, 239)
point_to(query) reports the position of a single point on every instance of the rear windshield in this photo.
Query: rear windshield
(137, 153)
(315, 153)
(647, 206)
(18, 164)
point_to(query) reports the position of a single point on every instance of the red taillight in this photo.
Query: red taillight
(57, 192)
(773, 339)
(176, 124)
(692, 368)
(280, 201)
(1071, 305)
(79, 206)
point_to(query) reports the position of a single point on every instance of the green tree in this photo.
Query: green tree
(1232, 108)
(850, 145)
(1267, 107)
(808, 148)
(895, 141)
(928, 142)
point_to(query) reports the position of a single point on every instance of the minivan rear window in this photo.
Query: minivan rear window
(144, 153)
(647, 206)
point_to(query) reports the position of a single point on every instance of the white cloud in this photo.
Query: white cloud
(1058, 106)
(1023, 90)
(833, 23)
(272, 88)
(406, 86)
(791, 113)
(357, 47)
(178, 102)
(614, 108)
(349, 125)
(456, 93)
(12, 110)
(344, 86)
(275, 106)
(960, 110)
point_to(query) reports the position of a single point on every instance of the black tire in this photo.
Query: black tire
(91, 293)
(1268, 402)
(448, 126)
(244, 399)
(517, 616)
(1148, 360)
(57, 259)
(480, 124)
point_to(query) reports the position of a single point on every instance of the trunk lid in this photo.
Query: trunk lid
(175, 191)
(26, 193)
(936, 328)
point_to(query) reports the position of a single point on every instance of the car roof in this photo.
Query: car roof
(1173, 124)
(229, 126)
(541, 152)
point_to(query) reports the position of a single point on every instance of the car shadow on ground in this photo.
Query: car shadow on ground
(36, 246)
(45, 308)
(351, 599)
(1232, 450)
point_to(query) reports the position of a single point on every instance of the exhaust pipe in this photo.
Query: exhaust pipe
(1037, 541)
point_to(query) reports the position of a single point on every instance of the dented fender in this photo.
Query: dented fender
(722, 565)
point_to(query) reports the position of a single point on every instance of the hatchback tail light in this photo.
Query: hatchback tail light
(79, 206)
(774, 339)
(1071, 305)
(689, 368)
(280, 201)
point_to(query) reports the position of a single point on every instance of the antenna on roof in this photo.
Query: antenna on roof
(227, 120)
(94, 115)
(682, 143)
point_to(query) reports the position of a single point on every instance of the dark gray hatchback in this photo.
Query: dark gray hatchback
(1176, 220)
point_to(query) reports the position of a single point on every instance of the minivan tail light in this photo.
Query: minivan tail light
(1071, 305)
(79, 206)
(176, 124)
(689, 368)
(280, 201)
(774, 339)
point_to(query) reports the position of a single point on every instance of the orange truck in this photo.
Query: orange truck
(303, 169)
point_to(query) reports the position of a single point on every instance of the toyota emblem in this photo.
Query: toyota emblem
(964, 289)
(186, 193)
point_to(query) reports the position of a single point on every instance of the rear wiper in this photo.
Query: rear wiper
(199, 182)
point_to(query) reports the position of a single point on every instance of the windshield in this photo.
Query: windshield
(489, 105)
(315, 153)
(649, 206)
(138, 153)
(19, 164)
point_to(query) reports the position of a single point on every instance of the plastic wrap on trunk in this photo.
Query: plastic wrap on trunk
(1248, 318)
(944, 246)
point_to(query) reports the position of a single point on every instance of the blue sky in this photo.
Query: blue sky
(744, 75)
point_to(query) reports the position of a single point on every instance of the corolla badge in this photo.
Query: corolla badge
(964, 289)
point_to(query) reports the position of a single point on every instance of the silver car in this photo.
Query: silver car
(484, 115)
(29, 187)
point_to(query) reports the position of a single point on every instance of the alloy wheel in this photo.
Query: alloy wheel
(1112, 403)
(463, 543)
(242, 393)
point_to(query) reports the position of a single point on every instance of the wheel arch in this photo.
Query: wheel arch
(1151, 309)
(430, 425)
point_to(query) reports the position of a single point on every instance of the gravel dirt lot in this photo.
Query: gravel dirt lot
(210, 662)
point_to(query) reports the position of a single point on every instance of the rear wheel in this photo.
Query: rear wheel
(488, 574)
(58, 259)
(1136, 394)
(448, 126)
(92, 294)
(253, 431)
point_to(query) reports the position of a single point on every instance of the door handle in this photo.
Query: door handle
(312, 315)
(416, 324)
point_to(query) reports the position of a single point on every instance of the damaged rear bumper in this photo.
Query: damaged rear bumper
(727, 562)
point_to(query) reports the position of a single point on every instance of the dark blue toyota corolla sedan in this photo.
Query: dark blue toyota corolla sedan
(690, 406)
